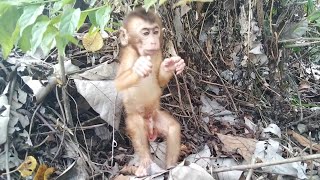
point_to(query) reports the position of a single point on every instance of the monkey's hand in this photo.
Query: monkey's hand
(175, 63)
(143, 66)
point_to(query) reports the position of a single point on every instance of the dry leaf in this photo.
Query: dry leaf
(244, 146)
(304, 141)
(92, 41)
(48, 173)
(43, 172)
(304, 86)
(40, 172)
(28, 166)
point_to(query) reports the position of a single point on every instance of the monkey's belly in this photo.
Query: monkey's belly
(142, 99)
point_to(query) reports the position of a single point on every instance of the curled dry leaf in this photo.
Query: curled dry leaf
(28, 166)
(43, 172)
(244, 146)
(92, 41)
(304, 141)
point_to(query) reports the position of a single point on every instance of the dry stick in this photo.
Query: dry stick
(221, 79)
(65, 96)
(253, 161)
(259, 165)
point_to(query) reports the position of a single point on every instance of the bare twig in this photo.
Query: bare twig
(65, 96)
(259, 165)
(253, 161)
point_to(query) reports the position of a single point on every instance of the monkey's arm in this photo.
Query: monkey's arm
(164, 77)
(126, 79)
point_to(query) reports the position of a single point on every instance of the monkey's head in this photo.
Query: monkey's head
(143, 31)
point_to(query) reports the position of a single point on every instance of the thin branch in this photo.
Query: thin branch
(259, 165)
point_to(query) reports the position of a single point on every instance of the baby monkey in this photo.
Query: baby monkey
(141, 76)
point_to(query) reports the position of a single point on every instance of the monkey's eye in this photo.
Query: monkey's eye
(146, 33)
(156, 32)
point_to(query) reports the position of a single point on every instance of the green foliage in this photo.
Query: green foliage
(38, 31)
(149, 3)
(7, 28)
(103, 16)
(25, 25)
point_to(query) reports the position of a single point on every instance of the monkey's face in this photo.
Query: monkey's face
(146, 37)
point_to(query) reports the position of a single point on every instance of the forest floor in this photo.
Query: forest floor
(249, 96)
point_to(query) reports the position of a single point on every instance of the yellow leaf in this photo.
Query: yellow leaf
(92, 41)
(28, 166)
(162, 1)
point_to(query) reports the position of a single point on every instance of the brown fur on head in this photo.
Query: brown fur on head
(132, 33)
(139, 12)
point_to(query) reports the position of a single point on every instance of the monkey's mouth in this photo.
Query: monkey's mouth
(151, 51)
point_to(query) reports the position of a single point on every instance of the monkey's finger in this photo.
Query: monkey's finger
(180, 63)
(180, 68)
(148, 58)
(146, 62)
(176, 58)
(139, 73)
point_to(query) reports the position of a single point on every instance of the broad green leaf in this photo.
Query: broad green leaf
(7, 28)
(37, 32)
(71, 39)
(24, 40)
(314, 16)
(29, 16)
(6, 43)
(83, 17)
(103, 16)
(149, 3)
(56, 6)
(48, 41)
(3, 7)
(68, 2)
(69, 21)
(92, 17)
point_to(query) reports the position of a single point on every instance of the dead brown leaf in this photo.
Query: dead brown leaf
(304, 141)
(244, 146)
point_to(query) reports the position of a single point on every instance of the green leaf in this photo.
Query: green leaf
(37, 32)
(314, 16)
(7, 29)
(29, 16)
(69, 21)
(92, 17)
(149, 3)
(3, 7)
(83, 17)
(65, 2)
(24, 41)
(48, 41)
(103, 16)
(72, 39)
(310, 7)
(56, 7)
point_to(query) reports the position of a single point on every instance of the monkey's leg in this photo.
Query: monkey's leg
(137, 130)
(170, 128)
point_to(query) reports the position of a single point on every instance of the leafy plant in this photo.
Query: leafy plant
(26, 25)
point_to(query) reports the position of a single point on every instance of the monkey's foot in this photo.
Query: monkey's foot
(143, 171)
(152, 168)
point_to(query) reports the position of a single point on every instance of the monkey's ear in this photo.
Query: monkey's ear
(123, 36)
